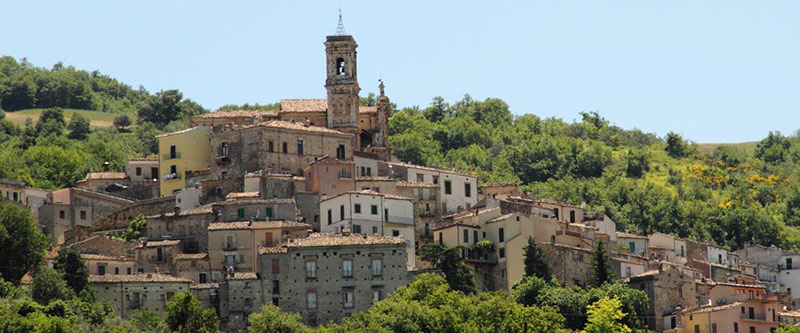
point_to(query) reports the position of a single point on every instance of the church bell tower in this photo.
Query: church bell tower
(342, 81)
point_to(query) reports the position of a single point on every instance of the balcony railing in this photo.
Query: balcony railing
(757, 316)
(170, 156)
(345, 174)
(401, 220)
(172, 176)
(229, 247)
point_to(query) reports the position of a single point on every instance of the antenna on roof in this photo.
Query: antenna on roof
(340, 26)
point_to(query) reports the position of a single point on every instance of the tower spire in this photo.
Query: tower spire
(340, 26)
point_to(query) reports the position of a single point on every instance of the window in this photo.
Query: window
(224, 175)
(377, 295)
(386, 214)
(173, 169)
(373, 209)
(240, 212)
(347, 268)
(330, 217)
(83, 215)
(395, 232)
(347, 297)
(138, 171)
(752, 329)
(269, 212)
(223, 149)
(311, 300)
(341, 212)
(448, 187)
(696, 328)
(735, 327)
(377, 267)
(160, 254)
(299, 147)
(128, 271)
(203, 278)
(475, 236)
(572, 216)
(116, 270)
(441, 242)
(374, 229)
(632, 246)
(427, 229)
(788, 263)
(311, 269)
(173, 151)
(285, 147)
(276, 287)
(436, 180)
(466, 236)
(502, 252)
(356, 228)
(101, 269)
(61, 214)
(369, 171)
(714, 328)
(357, 208)
(555, 213)
(501, 236)
(340, 152)
(467, 190)
(420, 178)
(271, 147)
(230, 242)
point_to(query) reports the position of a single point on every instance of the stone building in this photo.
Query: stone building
(328, 176)
(195, 267)
(99, 181)
(326, 277)
(271, 185)
(234, 245)
(157, 256)
(668, 288)
(72, 207)
(427, 207)
(142, 171)
(274, 145)
(189, 227)
(458, 191)
(248, 206)
(126, 293)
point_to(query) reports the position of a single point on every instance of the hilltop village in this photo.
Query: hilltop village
(306, 208)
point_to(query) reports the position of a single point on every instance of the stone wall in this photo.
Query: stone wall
(121, 217)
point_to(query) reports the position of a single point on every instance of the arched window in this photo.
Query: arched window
(340, 65)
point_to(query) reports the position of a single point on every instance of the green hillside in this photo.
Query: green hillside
(97, 118)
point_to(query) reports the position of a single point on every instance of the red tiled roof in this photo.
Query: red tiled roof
(237, 114)
(257, 225)
(304, 105)
(330, 239)
(150, 277)
(191, 256)
(105, 175)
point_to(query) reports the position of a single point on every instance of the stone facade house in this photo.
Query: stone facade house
(157, 256)
(189, 227)
(666, 289)
(126, 293)
(255, 209)
(458, 191)
(328, 176)
(99, 181)
(193, 266)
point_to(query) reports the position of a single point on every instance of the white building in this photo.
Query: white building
(367, 212)
(458, 191)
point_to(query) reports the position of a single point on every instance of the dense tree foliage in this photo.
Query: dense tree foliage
(270, 319)
(602, 268)
(459, 276)
(72, 269)
(606, 315)
(535, 262)
(22, 243)
(167, 106)
(185, 314)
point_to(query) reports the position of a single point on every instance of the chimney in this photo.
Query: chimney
(345, 231)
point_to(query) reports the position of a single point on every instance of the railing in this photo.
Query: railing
(401, 220)
(345, 174)
(757, 316)
(170, 156)
(229, 247)
(172, 176)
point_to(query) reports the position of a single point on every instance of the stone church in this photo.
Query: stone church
(339, 111)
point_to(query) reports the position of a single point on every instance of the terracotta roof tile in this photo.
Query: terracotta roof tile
(375, 179)
(304, 105)
(716, 308)
(367, 109)
(237, 195)
(368, 192)
(237, 114)
(105, 175)
(191, 256)
(242, 276)
(89, 256)
(416, 184)
(272, 250)
(257, 225)
(184, 131)
(150, 277)
(419, 167)
(210, 285)
(161, 243)
(253, 201)
(143, 159)
(295, 126)
(329, 239)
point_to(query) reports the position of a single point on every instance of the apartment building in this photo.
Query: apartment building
(181, 154)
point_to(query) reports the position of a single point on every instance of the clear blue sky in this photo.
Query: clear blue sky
(715, 71)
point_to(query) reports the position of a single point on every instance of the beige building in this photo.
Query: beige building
(99, 264)
(234, 245)
(193, 266)
(248, 206)
(328, 176)
(274, 145)
(157, 256)
(189, 227)
(142, 171)
(126, 293)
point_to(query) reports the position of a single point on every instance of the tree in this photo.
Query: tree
(527, 290)
(602, 270)
(636, 163)
(135, 229)
(78, 127)
(676, 147)
(185, 314)
(270, 319)
(51, 122)
(459, 276)
(21, 242)
(146, 321)
(535, 262)
(167, 106)
(605, 316)
(122, 122)
(48, 285)
(72, 268)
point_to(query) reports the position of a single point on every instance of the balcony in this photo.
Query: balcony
(754, 317)
(345, 174)
(172, 176)
(400, 220)
(229, 247)
(170, 156)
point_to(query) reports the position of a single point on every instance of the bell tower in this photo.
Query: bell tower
(342, 80)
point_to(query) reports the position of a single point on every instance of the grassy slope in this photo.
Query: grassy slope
(97, 118)
(748, 147)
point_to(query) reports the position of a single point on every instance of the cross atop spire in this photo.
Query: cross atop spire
(340, 27)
